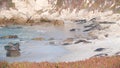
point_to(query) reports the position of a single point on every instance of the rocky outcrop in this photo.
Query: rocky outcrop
(12, 50)
(9, 37)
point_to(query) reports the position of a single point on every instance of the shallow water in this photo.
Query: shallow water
(31, 50)
(38, 51)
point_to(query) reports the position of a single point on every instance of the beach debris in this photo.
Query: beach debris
(101, 55)
(13, 49)
(38, 38)
(68, 41)
(99, 49)
(9, 37)
(79, 41)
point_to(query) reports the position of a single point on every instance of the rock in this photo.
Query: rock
(106, 35)
(12, 46)
(9, 37)
(118, 53)
(84, 41)
(68, 41)
(51, 39)
(101, 55)
(52, 42)
(99, 49)
(57, 22)
(93, 27)
(81, 21)
(38, 39)
(73, 29)
(106, 22)
(13, 53)
(93, 19)
(12, 50)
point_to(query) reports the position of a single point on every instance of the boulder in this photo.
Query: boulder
(13, 53)
(9, 37)
(12, 50)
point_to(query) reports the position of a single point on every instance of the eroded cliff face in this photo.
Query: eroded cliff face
(62, 9)
(59, 5)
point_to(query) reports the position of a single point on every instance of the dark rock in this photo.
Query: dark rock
(118, 53)
(93, 19)
(66, 44)
(93, 27)
(84, 41)
(12, 46)
(12, 50)
(9, 37)
(51, 39)
(17, 45)
(106, 22)
(73, 29)
(81, 21)
(52, 42)
(101, 55)
(13, 53)
(99, 49)
(106, 35)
